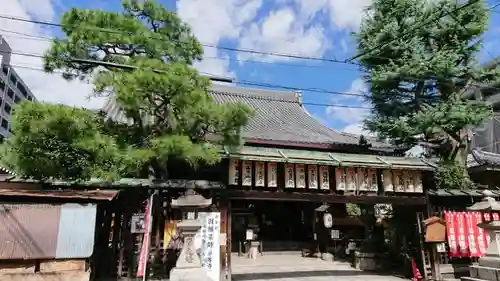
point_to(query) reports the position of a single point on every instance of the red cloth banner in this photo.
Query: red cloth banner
(472, 235)
(463, 244)
(143, 256)
(449, 217)
(465, 238)
(481, 237)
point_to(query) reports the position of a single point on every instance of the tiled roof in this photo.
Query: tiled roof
(301, 156)
(6, 171)
(461, 192)
(478, 157)
(122, 183)
(279, 116)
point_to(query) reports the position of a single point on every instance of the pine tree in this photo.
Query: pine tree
(417, 76)
(171, 116)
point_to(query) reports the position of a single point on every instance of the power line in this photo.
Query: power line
(285, 55)
(252, 83)
(213, 76)
(235, 49)
(244, 96)
(349, 61)
(33, 37)
(416, 28)
(115, 31)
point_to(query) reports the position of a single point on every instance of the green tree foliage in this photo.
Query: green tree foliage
(417, 76)
(168, 115)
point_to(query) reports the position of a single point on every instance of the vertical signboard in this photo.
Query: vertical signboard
(210, 244)
(289, 176)
(398, 181)
(362, 179)
(324, 178)
(234, 172)
(340, 179)
(387, 181)
(408, 182)
(259, 174)
(313, 176)
(247, 173)
(372, 182)
(417, 181)
(300, 173)
(351, 179)
(272, 174)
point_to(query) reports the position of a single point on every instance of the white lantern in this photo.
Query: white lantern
(327, 220)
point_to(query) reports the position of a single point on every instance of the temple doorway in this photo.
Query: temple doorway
(276, 226)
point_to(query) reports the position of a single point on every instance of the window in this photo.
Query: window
(5, 69)
(10, 93)
(5, 123)
(30, 98)
(7, 108)
(17, 99)
(22, 89)
(2, 85)
(13, 79)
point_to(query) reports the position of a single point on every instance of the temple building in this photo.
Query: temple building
(290, 187)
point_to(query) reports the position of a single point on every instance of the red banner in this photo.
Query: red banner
(449, 217)
(463, 244)
(143, 256)
(482, 239)
(465, 238)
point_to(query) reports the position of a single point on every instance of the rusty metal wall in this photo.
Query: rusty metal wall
(28, 231)
(76, 231)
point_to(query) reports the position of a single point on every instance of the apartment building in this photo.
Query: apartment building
(12, 89)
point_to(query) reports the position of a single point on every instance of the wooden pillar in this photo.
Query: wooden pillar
(226, 231)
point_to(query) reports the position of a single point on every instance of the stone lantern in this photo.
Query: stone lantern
(188, 266)
(489, 265)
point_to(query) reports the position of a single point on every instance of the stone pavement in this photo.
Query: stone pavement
(296, 268)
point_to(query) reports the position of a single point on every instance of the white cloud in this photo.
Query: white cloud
(46, 87)
(344, 14)
(351, 117)
(281, 31)
(213, 21)
(347, 14)
(356, 129)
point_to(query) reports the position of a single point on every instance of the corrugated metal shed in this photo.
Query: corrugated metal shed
(28, 231)
(106, 195)
(75, 238)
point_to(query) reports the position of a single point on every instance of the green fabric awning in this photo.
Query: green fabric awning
(252, 153)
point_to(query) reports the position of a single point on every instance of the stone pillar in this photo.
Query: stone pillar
(488, 268)
(188, 266)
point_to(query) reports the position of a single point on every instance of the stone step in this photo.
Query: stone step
(484, 272)
(471, 279)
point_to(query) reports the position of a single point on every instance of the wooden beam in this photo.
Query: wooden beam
(325, 198)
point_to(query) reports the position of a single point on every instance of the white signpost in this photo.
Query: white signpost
(210, 243)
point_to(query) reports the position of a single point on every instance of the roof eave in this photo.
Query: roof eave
(312, 145)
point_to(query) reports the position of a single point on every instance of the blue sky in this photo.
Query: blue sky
(310, 28)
